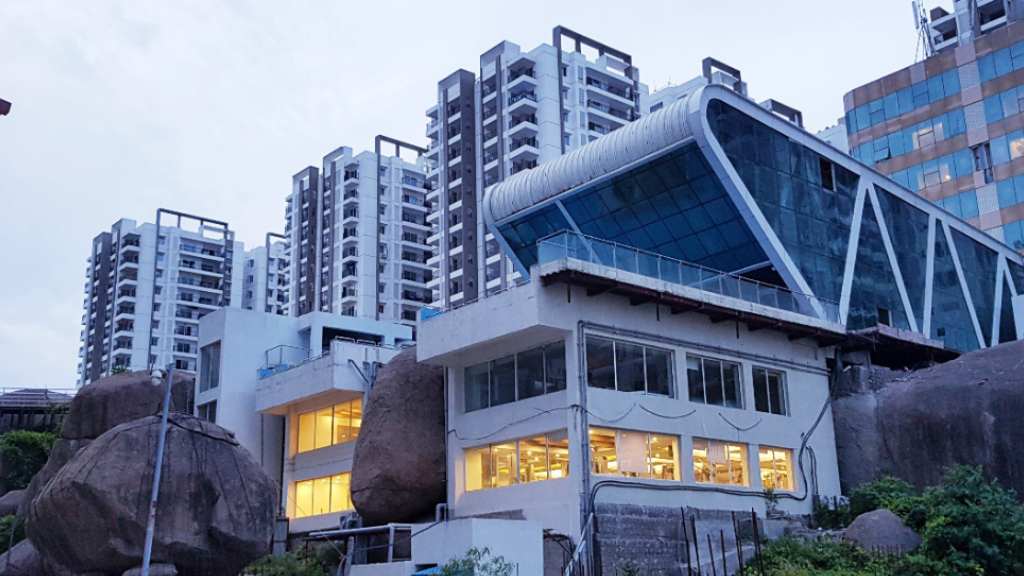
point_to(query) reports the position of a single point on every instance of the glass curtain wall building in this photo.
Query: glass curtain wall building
(717, 193)
(950, 127)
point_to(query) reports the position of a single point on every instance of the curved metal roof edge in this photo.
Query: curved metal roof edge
(607, 154)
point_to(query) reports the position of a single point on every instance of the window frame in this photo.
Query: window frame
(671, 369)
(516, 469)
(677, 475)
(745, 468)
(209, 375)
(333, 430)
(784, 388)
(740, 385)
(775, 450)
(550, 386)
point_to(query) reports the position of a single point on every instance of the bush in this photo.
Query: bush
(477, 562)
(8, 524)
(887, 492)
(290, 564)
(23, 453)
(791, 557)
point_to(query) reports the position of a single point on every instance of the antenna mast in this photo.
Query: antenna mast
(924, 36)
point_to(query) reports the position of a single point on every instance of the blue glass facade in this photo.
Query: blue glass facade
(916, 137)
(1007, 326)
(979, 266)
(522, 235)
(908, 230)
(807, 200)
(903, 101)
(874, 293)
(951, 319)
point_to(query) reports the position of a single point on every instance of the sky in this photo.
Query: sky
(207, 107)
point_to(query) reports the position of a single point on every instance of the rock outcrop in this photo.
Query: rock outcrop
(11, 502)
(216, 508)
(882, 531)
(100, 406)
(399, 466)
(916, 424)
(22, 560)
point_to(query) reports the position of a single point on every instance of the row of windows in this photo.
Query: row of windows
(903, 101)
(916, 137)
(630, 367)
(627, 453)
(516, 377)
(937, 170)
(1013, 234)
(964, 204)
(323, 495)
(328, 426)
(1001, 62)
(1004, 104)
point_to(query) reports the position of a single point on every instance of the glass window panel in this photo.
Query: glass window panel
(554, 366)
(979, 268)
(1003, 63)
(307, 432)
(533, 459)
(695, 379)
(732, 385)
(530, 373)
(303, 498)
(321, 495)
(603, 458)
(600, 363)
(718, 462)
(629, 367)
(503, 464)
(341, 492)
(324, 427)
(343, 423)
(760, 389)
(503, 380)
(713, 382)
(664, 457)
(558, 455)
(659, 371)
(477, 386)
(776, 468)
(478, 468)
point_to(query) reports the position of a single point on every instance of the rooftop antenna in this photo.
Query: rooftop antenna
(924, 35)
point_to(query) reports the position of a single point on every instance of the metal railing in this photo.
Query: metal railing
(570, 245)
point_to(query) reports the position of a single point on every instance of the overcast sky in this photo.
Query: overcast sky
(210, 107)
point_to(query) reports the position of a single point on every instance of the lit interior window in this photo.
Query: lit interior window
(323, 495)
(634, 454)
(328, 426)
(518, 462)
(776, 468)
(717, 462)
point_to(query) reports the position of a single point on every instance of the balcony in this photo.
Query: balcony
(634, 271)
(522, 101)
(293, 374)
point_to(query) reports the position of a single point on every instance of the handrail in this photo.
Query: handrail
(666, 268)
(578, 554)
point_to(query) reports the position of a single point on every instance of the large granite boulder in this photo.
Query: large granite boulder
(22, 560)
(918, 424)
(881, 530)
(100, 406)
(399, 465)
(10, 502)
(216, 510)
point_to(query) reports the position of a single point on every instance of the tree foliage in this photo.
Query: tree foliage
(477, 562)
(23, 453)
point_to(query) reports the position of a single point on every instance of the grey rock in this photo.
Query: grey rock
(21, 560)
(216, 511)
(154, 570)
(121, 398)
(398, 469)
(10, 502)
(881, 530)
(918, 424)
(100, 406)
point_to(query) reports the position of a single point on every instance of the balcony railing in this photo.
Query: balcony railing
(524, 96)
(569, 245)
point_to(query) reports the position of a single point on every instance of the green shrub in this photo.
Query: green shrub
(477, 562)
(888, 492)
(831, 514)
(8, 524)
(792, 557)
(23, 453)
(290, 564)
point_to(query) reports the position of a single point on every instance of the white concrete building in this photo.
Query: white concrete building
(293, 391)
(266, 278)
(524, 108)
(689, 299)
(354, 251)
(144, 295)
